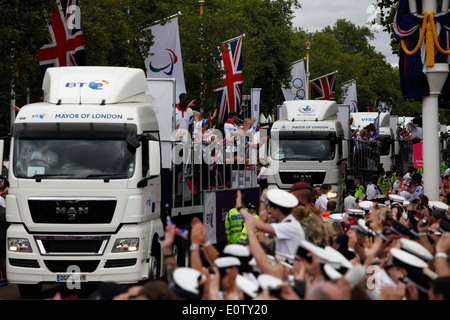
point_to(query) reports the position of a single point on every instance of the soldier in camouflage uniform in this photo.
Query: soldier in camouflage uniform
(309, 215)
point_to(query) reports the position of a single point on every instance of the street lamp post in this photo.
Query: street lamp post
(436, 76)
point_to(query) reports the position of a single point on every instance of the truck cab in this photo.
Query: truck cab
(84, 198)
(308, 144)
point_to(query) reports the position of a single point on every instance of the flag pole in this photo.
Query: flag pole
(231, 40)
(168, 18)
(308, 46)
(203, 84)
(325, 75)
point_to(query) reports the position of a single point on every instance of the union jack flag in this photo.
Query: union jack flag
(65, 45)
(324, 87)
(180, 232)
(229, 97)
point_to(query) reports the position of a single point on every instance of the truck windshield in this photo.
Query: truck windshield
(302, 148)
(73, 151)
(385, 145)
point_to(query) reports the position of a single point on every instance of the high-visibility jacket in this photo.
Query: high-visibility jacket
(382, 182)
(233, 226)
(359, 191)
(326, 214)
(244, 235)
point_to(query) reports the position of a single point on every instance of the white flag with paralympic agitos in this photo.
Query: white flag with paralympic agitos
(351, 97)
(298, 88)
(164, 60)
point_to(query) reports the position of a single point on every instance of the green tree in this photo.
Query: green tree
(24, 31)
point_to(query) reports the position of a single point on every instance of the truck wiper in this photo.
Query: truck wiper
(291, 158)
(39, 176)
(107, 176)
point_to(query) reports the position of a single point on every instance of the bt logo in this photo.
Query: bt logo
(95, 85)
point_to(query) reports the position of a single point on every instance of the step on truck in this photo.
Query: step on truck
(90, 181)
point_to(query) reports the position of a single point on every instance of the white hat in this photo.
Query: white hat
(284, 257)
(438, 205)
(237, 250)
(187, 279)
(268, 282)
(323, 255)
(227, 262)
(283, 261)
(408, 258)
(331, 272)
(365, 205)
(416, 249)
(396, 198)
(342, 261)
(337, 217)
(364, 229)
(356, 212)
(248, 287)
(282, 198)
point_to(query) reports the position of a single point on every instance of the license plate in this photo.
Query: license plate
(71, 278)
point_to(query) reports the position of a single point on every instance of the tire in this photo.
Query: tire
(154, 267)
(30, 289)
(180, 254)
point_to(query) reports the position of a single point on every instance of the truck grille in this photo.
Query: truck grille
(72, 211)
(74, 245)
(313, 177)
(63, 266)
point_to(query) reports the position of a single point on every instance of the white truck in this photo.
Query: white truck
(91, 184)
(309, 143)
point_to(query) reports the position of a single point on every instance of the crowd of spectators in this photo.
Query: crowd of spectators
(384, 249)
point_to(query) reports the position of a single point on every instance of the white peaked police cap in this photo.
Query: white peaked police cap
(408, 258)
(282, 198)
(248, 287)
(416, 249)
(187, 279)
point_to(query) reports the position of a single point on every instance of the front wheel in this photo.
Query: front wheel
(155, 262)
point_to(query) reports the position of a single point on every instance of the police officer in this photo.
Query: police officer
(359, 188)
(251, 208)
(233, 225)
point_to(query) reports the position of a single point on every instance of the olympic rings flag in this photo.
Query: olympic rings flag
(165, 59)
(298, 88)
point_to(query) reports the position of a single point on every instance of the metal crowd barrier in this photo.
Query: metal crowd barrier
(198, 173)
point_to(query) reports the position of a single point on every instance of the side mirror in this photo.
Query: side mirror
(154, 155)
(132, 143)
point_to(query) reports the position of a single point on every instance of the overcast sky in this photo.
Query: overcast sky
(317, 14)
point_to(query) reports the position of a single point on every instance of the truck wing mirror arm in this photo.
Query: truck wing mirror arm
(143, 182)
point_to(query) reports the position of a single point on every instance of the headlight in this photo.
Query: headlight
(19, 245)
(126, 245)
(331, 195)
